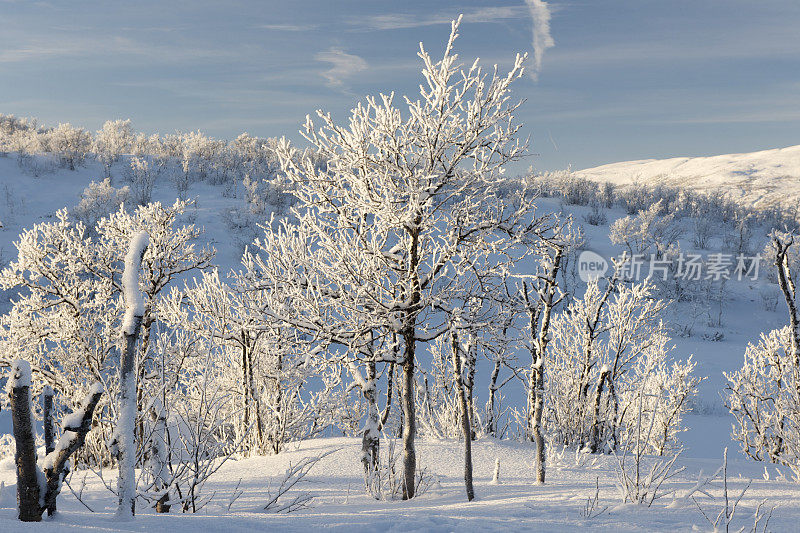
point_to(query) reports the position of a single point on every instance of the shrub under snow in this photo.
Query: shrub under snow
(610, 350)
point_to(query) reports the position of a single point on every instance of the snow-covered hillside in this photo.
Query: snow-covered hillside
(26, 200)
(714, 332)
(761, 179)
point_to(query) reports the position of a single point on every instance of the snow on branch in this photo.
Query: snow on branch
(20, 374)
(134, 302)
(75, 428)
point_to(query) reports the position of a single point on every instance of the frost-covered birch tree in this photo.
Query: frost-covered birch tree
(407, 201)
(111, 141)
(68, 310)
(124, 439)
(281, 387)
(539, 296)
(290, 275)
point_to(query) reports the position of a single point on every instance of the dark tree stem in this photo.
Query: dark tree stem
(25, 457)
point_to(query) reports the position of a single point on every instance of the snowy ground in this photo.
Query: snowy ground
(515, 504)
(336, 482)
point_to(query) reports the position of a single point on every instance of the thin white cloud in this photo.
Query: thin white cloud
(288, 27)
(400, 21)
(65, 44)
(542, 40)
(780, 115)
(343, 66)
(777, 42)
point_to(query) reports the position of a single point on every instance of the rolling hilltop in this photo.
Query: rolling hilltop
(760, 179)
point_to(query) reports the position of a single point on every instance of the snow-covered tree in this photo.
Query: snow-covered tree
(406, 203)
(113, 140)
(13, 131)
(142, 177)
(648, 232)
(124, 441)
(608, 349)
(66, 317)
(70, 143)
(280, 389)
(98, 200)
(764, 395)
(540, 296)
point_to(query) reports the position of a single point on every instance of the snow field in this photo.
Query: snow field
(516, 504)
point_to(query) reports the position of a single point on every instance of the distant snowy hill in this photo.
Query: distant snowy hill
(761, 179)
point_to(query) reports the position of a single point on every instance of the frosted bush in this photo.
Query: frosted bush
(597, 216)
(7, 447)
(704, 230)
(142, 178)
(763, 397)
(636, 198)
(609, 349)
(113, 140)
(648, 232)
(70, 143)
(98, 200)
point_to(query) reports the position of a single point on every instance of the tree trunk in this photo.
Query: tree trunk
(278, 416)
(371, 440)
(534, 311)
(539, 345)
(468, 369)
(49, 431)
(594, 432)
(466, 426)
(255, 404)
(72, 438)
(409, 419)
(491, 422)
(47, 419)
(144, 341)
(538, 437)
(245, 391)
(786, 284)
(409, 334)
(389, 389)
(159, 456)
(126, 424)
(25, 457)
(787, 287)
(531, 402)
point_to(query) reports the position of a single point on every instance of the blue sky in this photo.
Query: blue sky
(625, 80)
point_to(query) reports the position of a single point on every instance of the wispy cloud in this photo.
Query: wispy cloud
(343, 66)
(779, 42)
(779, 115)
(63, 45)
(542, 40)
(399, 21)
(288, 27)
